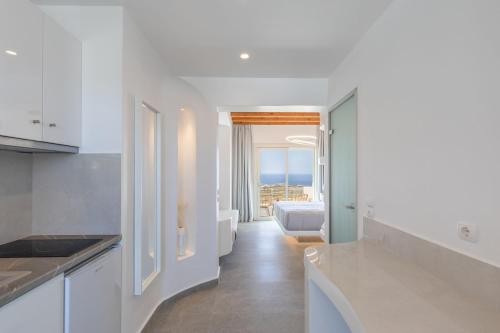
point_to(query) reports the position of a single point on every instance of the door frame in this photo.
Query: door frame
(256, 178)
(352, 93)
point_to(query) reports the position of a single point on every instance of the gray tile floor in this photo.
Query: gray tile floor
(261, 289)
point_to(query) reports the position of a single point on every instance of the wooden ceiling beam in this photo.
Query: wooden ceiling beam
(296, 119)
(274, 114)
(276, 118)
(276, 122)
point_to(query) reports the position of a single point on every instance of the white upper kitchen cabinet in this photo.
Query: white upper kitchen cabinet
(21, 67)
(62, 86)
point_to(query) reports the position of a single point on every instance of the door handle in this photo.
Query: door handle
(351, 206)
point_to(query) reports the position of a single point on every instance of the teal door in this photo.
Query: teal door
(342, 168)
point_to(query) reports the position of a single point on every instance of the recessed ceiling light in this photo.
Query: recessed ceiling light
(10, 52)
(244, 56)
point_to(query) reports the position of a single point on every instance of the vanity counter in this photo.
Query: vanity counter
(361, 287)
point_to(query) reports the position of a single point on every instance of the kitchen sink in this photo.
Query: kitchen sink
(7, 277)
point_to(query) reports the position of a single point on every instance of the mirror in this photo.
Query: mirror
(147, 189)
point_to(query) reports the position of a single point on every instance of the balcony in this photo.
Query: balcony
(270, 193)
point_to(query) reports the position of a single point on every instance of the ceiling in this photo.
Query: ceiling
(285, 38)
(276, 135)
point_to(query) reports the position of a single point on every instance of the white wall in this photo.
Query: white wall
(119, 63)
(224, 153)
(225, 118)
(276, 134)
(145, 75)
(261, 91)
(428, 76)
(100, 30)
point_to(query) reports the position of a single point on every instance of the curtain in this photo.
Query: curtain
(242, 185)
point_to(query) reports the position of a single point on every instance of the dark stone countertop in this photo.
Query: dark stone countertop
(44, 269)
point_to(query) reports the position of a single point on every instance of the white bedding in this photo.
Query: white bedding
(300, 215)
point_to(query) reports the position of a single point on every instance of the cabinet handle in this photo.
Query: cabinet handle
(35, 121)
(52, 125)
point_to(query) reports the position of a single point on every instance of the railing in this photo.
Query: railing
(270, 193)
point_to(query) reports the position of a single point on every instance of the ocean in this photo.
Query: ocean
(293, 179)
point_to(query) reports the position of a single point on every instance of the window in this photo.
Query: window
(300, 166)
(284, 174)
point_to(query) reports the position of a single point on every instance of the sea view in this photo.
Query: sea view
(293, 179)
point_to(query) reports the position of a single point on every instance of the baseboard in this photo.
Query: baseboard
(183, 293)
(197, 287)
(148, 318)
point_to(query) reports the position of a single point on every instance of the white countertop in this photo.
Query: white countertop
(377, 291)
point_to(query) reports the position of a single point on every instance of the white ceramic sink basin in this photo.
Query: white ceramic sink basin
(7, 277)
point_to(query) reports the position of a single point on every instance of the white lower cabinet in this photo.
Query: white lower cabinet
(93, 296)
(86, 300)
(40, 310)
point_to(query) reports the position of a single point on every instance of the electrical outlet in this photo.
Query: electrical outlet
(467, 232)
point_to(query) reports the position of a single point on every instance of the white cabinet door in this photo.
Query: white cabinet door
(21, 51)
(93, 296)
(40, 310)
(62, 86)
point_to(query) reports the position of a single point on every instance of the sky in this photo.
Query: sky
(300, 161)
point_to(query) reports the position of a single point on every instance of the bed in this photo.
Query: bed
(299, 218)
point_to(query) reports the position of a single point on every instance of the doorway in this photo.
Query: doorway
(342, 121)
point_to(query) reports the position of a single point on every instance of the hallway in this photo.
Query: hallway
(261, 289)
